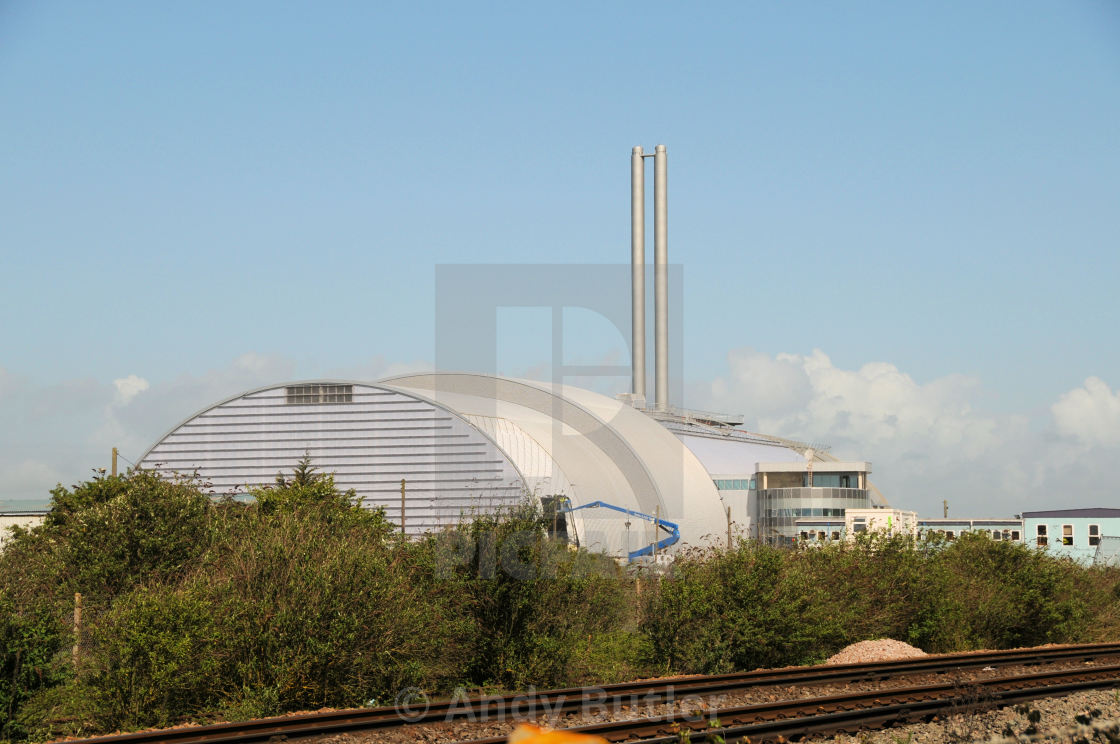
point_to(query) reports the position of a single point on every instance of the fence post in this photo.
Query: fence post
(77, 626)
(402, 506)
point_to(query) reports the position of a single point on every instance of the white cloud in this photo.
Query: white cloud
(1089, 414)
(129, 387)
(878, 404)
(927, 441)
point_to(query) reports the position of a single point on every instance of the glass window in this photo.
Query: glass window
(311, 394)
(835, 535)
(1015, 534)
(1067, 534)
(1094, 534)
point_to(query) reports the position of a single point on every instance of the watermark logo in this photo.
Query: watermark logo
(411, 704)
(596, 703)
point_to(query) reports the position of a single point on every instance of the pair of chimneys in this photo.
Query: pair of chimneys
(660, 275)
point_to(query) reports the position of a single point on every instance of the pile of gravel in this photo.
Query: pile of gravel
(883, 649)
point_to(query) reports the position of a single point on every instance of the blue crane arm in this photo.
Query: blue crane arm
(671, 527)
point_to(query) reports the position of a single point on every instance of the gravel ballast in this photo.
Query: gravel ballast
(1053, 713)
(1082, 716)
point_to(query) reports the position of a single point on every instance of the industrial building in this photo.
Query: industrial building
(629, 477)
(471, 443)
(856, 521)
(950, 529)
(1074, 533)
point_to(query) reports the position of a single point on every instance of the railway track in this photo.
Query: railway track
(793, 719)
(617, 696)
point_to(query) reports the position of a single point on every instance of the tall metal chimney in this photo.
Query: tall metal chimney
(638, 270)
(661, 277)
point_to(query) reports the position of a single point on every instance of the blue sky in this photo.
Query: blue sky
(199, 198)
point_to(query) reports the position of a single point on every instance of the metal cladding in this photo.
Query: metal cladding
(661, 277)
(638, 269)
(367, 435)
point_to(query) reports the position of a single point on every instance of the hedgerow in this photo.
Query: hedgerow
(199, 609)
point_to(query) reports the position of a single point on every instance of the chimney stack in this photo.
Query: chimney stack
(638, 272)
(661, 277)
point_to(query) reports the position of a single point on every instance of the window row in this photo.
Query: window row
(819, 535)
(735, 484)
(805, 512)
(1008, 534)
(302, 395)
(1093, 533)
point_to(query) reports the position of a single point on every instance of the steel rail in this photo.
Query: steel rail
(782, 720)
(548, 702)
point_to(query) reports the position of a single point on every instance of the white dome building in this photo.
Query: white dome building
(471, 443)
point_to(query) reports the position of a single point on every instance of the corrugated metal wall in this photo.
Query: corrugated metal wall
(368, 437)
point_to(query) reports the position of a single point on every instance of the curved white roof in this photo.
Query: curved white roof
(736, 457)
(597, 449)
(471, 442)
(369, 436)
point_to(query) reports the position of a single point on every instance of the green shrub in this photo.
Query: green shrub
(196, 609)
(30, 639)
(153, 658)
(149, 531)
(717, 611)
(320, 608)
(101, 538)
(535, 602)
(1011, 595)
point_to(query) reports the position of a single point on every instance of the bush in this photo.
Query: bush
(1011, 595)
(537, 603)
(760, 606)
(196, 609)
(722, 610)
(100, 538)
(31, 638)
(153, 658)
(319, 608)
